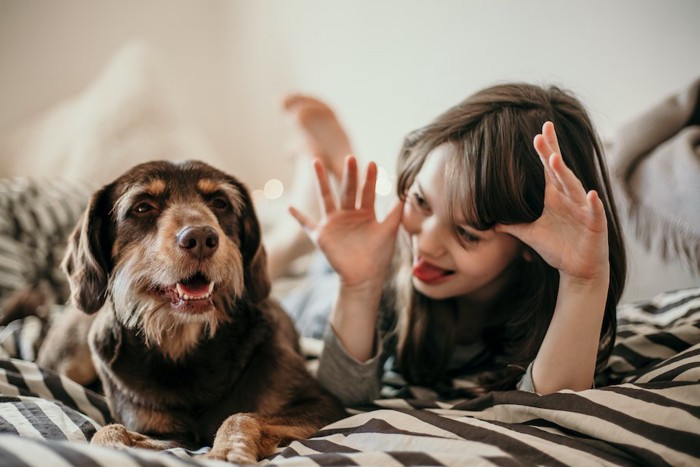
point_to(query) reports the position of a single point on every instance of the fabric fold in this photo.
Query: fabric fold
(655, 166)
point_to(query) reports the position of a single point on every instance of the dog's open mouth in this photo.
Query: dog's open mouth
(197, 287)
(192, 293)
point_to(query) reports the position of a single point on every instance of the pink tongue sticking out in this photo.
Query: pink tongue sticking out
(426, 272)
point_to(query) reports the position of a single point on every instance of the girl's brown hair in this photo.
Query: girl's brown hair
(495, 176)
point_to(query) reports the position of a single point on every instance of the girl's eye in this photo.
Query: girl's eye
(219, 203)
(144, 208)
(420, 201)
(466, 236)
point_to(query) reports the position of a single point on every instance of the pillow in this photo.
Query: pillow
(126, 116)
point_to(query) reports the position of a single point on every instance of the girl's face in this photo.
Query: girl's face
(475, 267)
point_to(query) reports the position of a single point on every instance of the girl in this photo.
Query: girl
(510, 260)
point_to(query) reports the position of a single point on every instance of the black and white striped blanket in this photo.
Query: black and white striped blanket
(646, 413)
(649, 416)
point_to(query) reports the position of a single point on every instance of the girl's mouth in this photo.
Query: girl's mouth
(429, 273)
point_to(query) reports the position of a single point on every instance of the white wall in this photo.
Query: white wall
(50, 50)
(387, 66)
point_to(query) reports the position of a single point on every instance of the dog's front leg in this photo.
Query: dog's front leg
(117, 436)
(243, 438)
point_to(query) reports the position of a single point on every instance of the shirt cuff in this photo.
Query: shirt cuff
(351, 381)
(526, 383)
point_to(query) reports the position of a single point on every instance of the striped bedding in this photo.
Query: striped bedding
(645, 410)
(649, 415)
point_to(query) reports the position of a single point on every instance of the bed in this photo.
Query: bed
(645, 409)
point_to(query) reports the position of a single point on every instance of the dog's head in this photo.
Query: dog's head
(168, 243)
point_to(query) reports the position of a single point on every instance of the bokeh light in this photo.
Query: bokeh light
(384, 182)
(273, 188)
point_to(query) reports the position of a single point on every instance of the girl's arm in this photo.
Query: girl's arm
(359, 248)
(570, 235)
(351, 381)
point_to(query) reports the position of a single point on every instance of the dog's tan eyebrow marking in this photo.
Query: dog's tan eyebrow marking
(153, 188)
(208, 186)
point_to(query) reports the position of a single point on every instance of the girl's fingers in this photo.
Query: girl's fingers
(348, 186)
(597, 209)
(545, 152)
(393, 219)
(570, 184)
(327, 201)
(550, 135)
(556, 171)
(542, 147)
(369, 187)
(304, 221)
(519, 231)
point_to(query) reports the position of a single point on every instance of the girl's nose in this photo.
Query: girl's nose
(430, 238)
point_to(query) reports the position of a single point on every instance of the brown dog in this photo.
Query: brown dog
(188, 344)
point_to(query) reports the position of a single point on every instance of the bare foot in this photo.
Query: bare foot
(324, 138)
(323, 133)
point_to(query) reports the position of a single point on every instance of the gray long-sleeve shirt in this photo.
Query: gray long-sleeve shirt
(355, 382)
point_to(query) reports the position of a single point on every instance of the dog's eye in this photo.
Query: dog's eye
(219, 203)
(144, 208)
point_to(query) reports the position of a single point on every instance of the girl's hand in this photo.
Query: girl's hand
(357, 245)
(571, 234)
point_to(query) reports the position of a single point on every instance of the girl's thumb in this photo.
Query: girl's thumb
(393, 219)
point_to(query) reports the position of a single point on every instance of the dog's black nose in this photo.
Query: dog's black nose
(200, 241)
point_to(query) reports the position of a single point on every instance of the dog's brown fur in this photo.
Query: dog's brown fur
(224, 369)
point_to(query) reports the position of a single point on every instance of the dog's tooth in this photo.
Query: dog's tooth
(188, 297)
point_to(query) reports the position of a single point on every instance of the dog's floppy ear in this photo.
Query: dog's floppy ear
(87, 262)
(257, 279)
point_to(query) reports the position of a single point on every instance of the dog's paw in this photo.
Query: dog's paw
(117, 436)
(234, 454)
(239, 439)
(113, 436)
